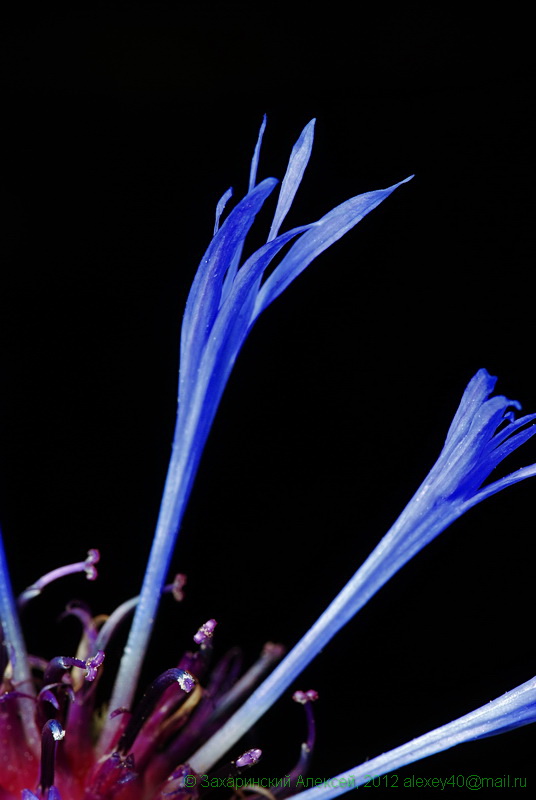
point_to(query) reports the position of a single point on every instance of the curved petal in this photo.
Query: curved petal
(205, 295)
(321, 236)
(299, 158)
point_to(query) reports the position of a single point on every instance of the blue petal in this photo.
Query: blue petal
(508, 430)
(511, 444)
(222, 202)
(321, 235)
(498, 486)
(205, 294)
(299, 158)
(256, 154)
(228, 333)
(478, 390)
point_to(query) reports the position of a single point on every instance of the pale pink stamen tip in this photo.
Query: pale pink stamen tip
(205, 632)
(305, 697)
(93, 557)
(186, 681)
(249, 758)
(92, 665)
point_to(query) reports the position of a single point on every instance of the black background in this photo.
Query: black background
(122, 128)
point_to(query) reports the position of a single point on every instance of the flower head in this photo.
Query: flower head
(53, 743)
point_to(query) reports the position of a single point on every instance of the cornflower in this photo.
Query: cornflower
(51, 746)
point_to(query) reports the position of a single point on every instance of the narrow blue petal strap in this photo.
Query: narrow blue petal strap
(499, 485)
(222, 202)
(508, 431)
(256, 154)
(231, 328)
(10, 625)
(478, 390)
(321, 235)
(299, 158)
(507, 447)
(205, 295)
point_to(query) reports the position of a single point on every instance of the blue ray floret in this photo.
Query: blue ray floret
(227, 295)
(483, 432)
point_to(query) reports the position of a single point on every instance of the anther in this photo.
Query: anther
(229, 770)
(249, 758)
(149, 701)
(205, 632)
(305, 697)
(59, 664)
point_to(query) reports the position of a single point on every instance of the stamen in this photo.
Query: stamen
(205, 632)
(270, 654)
(306, 699)
(59, 664)
(92, 665)
(222, 677)
(249, 758)
(286, 788)
(149, 701)
(234, 768)
(112, 623)
(87, 566)
(198, 662)
(51, 735)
